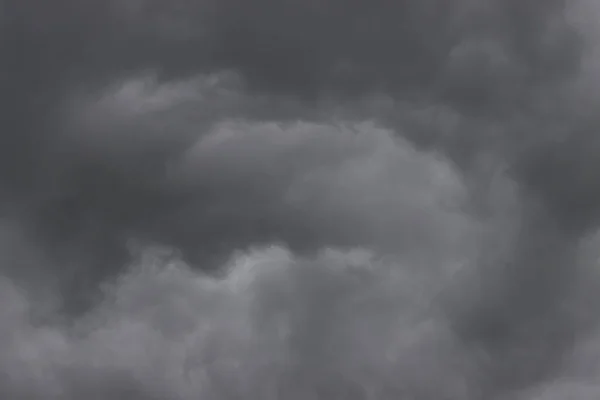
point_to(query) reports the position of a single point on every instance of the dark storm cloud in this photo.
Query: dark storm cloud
(484, 58)
(208, 184)
(303, 46)
(428, 165)
(492, 58)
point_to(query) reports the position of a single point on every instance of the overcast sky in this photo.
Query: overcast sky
(299, 199)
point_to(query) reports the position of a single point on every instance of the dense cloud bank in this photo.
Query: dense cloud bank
(294, 199)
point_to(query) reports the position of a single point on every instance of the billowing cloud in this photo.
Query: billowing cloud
(340, 325)
(289, 200)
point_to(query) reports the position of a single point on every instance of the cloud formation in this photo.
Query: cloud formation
(289, 200)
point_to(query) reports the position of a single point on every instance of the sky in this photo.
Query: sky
(299, 199)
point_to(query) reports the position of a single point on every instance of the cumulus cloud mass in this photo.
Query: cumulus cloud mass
(294, 200)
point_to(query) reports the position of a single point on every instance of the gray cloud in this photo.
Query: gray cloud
(272, 328)
(394, 199)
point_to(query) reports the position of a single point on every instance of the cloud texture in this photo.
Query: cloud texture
(294, 199)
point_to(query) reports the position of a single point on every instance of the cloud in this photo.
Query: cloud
(337, 324)
(276, 326)
(163, 166)
(360, 199)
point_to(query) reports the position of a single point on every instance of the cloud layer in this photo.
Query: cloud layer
(290, 200)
